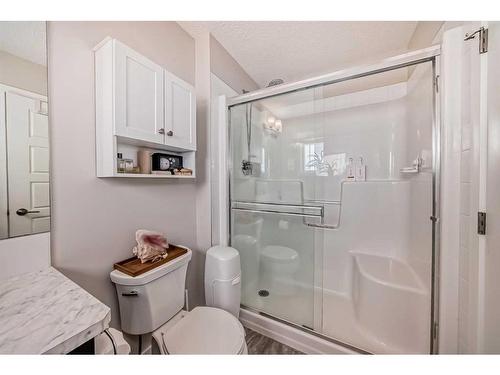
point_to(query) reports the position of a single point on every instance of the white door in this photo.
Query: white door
(27, 164)
(138, 96)
(492, 252)
(180, 115)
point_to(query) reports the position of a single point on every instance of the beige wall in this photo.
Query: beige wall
(94, 220)
(23, 74)
(224, 66)
(424, 34)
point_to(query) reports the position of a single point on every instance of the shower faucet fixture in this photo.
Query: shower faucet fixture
(250, 168)
(246, 167)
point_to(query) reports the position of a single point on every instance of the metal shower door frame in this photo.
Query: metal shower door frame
(413, 58)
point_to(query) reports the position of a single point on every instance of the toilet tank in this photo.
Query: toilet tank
(223, 279)
(149, 300)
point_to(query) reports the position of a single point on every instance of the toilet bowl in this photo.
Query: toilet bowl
(152, 303)
(278, 265)
(204, 330)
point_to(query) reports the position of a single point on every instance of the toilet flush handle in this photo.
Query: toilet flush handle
(132, 293)
(236, 281)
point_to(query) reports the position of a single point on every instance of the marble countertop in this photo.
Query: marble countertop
(45, 312)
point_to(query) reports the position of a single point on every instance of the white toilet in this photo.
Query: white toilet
(153, 303)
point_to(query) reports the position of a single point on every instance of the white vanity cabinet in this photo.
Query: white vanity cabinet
(140, 105)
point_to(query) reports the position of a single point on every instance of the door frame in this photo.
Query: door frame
(430, 54)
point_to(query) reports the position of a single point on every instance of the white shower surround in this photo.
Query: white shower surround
(387, 215)
(266, 325)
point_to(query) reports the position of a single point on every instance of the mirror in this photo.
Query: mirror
(24, 131)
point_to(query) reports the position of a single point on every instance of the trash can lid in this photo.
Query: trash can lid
(223, 253)
(222, 262)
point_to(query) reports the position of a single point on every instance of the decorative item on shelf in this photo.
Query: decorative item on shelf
(183, 172)
(165, 173)
(129, 165)
(144, 161)
(120, 163)
(165, 163)
(134, 170)
(273, 125)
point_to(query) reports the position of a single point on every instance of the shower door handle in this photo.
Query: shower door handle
(279, 209)
(322, 226)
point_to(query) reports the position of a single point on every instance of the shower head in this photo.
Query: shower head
(275, 82)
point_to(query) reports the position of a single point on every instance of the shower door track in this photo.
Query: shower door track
(430, 54)
(306, 329)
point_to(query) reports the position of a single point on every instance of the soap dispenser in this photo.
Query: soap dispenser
(350, 169)
(360, 170)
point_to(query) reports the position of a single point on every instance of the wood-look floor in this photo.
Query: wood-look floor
(260, 344)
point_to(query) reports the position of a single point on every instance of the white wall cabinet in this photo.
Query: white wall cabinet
(180, 114)
(140, 104)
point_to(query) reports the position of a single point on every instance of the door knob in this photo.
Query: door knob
(24, 211)
(161, 131)
(170, 133)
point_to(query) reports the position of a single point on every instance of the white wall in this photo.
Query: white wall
(24, 254)
(218, 133)
(94, 220)
(460, 269)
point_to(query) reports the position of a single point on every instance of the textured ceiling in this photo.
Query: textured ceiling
(298, 50)
(24, 39)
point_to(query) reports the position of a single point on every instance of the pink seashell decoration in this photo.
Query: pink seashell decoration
(151, 246)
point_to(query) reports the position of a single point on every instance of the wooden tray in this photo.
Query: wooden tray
(133, 266)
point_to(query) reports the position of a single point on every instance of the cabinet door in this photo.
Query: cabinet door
(180, 115)
(139, 101)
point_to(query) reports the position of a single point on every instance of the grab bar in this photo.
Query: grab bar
(336, 203)
(279, 208)
(274, 212)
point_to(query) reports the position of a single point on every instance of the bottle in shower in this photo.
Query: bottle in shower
(350, 170)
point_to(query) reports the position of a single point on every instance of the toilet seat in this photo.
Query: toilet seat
(204, 330)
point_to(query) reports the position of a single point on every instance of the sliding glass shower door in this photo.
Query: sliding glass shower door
(269, 212)
(331, 193)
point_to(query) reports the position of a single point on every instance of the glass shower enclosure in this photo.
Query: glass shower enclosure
(333, 200)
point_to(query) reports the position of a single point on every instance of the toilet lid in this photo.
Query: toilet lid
(279, 253)
(205, 330)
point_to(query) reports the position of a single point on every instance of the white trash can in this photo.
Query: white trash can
(223, 279)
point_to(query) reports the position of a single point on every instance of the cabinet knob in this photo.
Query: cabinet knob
(161, 131)
(170, 133)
